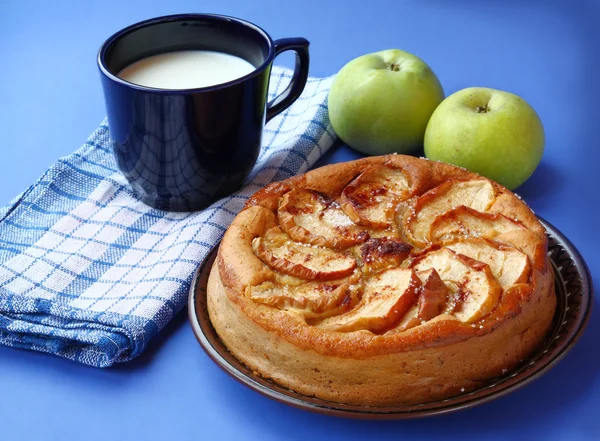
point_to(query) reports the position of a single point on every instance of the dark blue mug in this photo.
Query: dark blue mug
(183, 149)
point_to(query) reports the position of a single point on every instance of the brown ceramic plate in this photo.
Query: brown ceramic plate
(574, 295)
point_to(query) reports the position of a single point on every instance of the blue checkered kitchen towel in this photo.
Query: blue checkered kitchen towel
(89, 273)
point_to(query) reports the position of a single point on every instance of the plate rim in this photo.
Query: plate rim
(486, 394)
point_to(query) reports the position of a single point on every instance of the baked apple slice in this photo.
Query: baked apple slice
(370, 199)
(477, 194)
(311, 299)
(474, 289)
(381, 253)
(433, 295)
(386, 298)
(508, 264)
(530, 243)
(310, 217)
(410, 320)
(431, 301)
(467, 222)
(305, 261)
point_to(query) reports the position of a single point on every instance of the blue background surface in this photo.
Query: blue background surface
(51, 100)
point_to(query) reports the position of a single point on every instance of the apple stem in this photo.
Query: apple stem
(394, 67)
(482, 109)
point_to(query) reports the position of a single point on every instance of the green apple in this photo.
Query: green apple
(380, 103)
(487, 131)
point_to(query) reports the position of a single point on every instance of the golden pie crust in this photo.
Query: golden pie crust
(384, 281)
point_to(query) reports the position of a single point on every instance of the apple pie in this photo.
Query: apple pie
(384, 281)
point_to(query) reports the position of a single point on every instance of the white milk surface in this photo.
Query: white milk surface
(186, 69)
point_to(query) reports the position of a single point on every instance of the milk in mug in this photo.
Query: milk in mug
(188, 69)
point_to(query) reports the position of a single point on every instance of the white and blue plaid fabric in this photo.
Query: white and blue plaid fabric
(89, 273)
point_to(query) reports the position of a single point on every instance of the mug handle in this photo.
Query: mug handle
(296, 86)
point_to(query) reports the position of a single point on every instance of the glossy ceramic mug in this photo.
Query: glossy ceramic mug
(183, 149)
